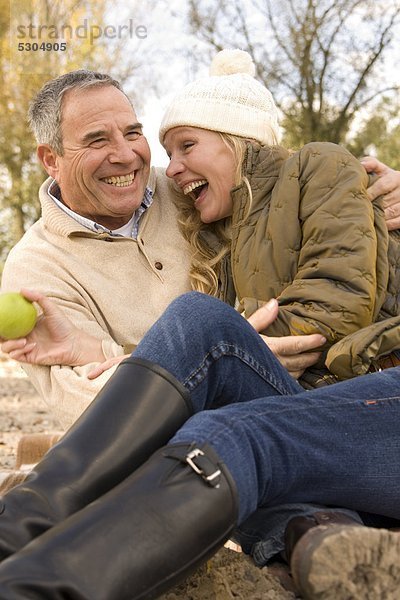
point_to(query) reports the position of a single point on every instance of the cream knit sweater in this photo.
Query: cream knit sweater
(113, 288)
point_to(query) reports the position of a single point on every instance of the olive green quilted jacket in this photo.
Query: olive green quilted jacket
(311, 238)
(358, 351)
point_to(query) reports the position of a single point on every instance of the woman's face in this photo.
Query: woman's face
(204, 167)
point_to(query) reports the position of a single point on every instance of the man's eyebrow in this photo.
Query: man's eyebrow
(99, 133)
(134, 126)
(92, 135)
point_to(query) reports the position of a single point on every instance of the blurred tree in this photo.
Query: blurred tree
(321, 59)
(379, 134)
(22, 73)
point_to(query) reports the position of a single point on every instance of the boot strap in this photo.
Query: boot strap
(204, 467)
(202, 462)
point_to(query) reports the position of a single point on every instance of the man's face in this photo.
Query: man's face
(105, 167)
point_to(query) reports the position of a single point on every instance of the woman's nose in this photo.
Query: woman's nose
(174, 168)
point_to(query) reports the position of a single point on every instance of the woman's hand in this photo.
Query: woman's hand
(54, 339)
(292, 351)
(387, 186)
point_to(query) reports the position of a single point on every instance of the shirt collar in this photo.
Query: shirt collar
(55, 194)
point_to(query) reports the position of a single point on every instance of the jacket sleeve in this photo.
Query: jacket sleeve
(333, 286)
(355, 354)
(66, 390)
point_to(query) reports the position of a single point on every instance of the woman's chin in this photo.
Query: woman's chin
(207, 218)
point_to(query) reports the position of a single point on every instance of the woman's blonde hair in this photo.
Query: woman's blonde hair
(210, 242)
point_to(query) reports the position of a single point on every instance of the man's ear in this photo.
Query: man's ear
(48, 157)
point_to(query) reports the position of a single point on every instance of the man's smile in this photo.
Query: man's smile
(120, 180)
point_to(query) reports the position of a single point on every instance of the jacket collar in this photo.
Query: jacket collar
(261, 168)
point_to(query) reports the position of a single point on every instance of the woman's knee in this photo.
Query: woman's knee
(198, 308)
(191, 300)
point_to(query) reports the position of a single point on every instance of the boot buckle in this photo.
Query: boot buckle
(203, 466)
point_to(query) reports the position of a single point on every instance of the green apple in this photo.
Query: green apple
(17, 316)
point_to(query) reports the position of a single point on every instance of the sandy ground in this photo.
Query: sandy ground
(21, 411)
(229, 575)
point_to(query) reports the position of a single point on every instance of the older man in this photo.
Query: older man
(107, 247)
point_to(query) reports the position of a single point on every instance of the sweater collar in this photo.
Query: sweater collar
(56, 219)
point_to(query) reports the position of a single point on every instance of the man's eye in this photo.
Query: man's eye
(133, 135)
(98, 142)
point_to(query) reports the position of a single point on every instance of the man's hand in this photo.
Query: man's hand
(388, 186)
(292, 351)
(54, 339)
(104, 366)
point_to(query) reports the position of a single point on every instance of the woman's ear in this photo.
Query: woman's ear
(49, 159)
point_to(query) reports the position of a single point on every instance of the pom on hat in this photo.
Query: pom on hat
(230, 101)
(230, 62)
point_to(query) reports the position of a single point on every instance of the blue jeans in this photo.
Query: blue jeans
(286, 448)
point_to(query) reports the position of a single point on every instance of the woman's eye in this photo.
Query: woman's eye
(187, 145)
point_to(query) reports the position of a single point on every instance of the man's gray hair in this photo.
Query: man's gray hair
(45, 111)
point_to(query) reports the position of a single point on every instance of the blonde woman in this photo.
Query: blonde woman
(263, 224)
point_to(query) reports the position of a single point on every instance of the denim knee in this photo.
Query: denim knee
(197, 301)
(200, 311)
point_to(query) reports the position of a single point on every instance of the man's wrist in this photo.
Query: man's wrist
(92, 351)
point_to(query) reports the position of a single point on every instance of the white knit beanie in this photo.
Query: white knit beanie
(230, 100)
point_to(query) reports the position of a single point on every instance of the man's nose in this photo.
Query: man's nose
(122, 151)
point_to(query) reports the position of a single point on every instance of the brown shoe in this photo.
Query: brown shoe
(346, 562)
(298, 527)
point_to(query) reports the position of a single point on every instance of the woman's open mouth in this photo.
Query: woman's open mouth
(196, 188)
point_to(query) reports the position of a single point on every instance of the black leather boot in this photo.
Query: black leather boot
(138, 540)
(138, 411)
